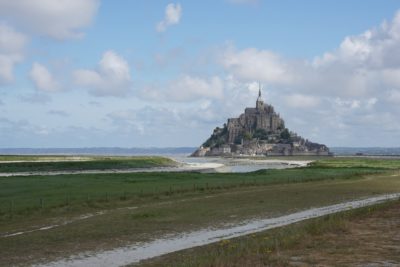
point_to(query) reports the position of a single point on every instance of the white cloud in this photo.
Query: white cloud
(21, 129)
(252, 64)
(391, 77)
(189, 88)
(347, 104)
(112, 77)
(186, 89)
(376, 50)
(173, 14)
(202, 102)
(36, 98)
(361, 66)
(370, 103)
(147, 121)
(301, 101)
(43, 79)
(10, 40)
(352, 89)
(7, 64)
(59, 19)
(12, 44)
(364, 65)
(60, 113)
(394, 96)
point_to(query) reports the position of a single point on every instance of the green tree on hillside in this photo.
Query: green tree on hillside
(247, 136)
(285, 135)
(261, 134)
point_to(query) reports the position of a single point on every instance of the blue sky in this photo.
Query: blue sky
(158, 73)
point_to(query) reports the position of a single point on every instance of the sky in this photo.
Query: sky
(113, 73)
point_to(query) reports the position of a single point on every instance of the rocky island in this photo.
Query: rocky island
(258, 131)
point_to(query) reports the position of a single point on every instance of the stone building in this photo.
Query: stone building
(262, 117)
(258, 131)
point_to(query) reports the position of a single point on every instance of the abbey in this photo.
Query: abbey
(258, 131)
(262, 117)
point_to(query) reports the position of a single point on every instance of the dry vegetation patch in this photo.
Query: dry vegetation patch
(370, 240)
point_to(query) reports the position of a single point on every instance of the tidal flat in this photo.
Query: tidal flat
(98, 212)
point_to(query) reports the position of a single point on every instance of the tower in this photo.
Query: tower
(260, 102)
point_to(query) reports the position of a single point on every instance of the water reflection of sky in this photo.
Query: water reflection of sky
(239, 165)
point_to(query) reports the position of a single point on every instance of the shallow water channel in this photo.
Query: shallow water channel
(187, 164)
(216, 164)
(137, 252)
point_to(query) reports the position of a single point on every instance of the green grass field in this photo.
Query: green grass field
(60, 163)
(38, 157)
(27, 195)
(165, 203)
(352, 162)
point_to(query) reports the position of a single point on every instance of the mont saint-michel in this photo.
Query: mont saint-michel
(258, 131)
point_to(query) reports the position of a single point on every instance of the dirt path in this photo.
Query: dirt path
(135, 253)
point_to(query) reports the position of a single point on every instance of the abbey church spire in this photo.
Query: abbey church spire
(260, 102)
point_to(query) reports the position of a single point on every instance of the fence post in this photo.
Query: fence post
(41, 203)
